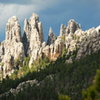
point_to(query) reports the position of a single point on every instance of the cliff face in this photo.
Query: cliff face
(71, 39)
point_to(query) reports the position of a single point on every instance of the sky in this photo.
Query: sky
(52, 13)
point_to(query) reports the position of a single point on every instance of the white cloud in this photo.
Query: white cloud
(10, 10)
(21, 10)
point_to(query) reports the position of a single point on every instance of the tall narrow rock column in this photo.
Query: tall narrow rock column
(12, 47)
(34, 37)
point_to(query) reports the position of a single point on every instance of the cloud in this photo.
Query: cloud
(24, 8)
(21, 9)
(11, 10)
(16, 1)
(26, 2)
(52, 12)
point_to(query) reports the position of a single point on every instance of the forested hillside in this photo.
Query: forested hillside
(53, 80)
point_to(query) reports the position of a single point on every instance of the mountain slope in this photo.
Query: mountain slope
(57, 78)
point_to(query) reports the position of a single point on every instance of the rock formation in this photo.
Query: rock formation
(62, 30)
(76, 43)
(33, 35)
(72, 26)
(20, 88)
(11, 48)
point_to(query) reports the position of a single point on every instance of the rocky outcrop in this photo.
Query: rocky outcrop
(13, 30)
(12, 47)
(33, 38)
(63, 30)
(72, 26)
(90, 43)
(72, 41)
(26, 85)
(26, 36)
(33, 34)
(82, 43)
(53, 51)
(20, 88)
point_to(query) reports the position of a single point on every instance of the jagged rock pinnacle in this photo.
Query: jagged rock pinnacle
(62, 30)
(50, 31)
(51, 37)
(33, 37)
(71, 39)
(13, 29)
(72, 26)
(33, 33)
(12, 48)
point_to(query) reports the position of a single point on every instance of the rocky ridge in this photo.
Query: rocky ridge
(24, 85)
(72, 39)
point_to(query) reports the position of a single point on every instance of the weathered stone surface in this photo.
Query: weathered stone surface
(54, 50)
(12, 48)
(72, 26)
(13, 29)
(33, 34)
(46, 51)
(89, 44)
(33, 38)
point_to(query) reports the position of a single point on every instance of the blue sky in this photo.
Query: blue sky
(52, 13)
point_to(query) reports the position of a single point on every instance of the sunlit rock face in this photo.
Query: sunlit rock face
(33, 37)
(53, 51)
(36, 37)
(12, 47)
(13, 43)
(13, 29)
(83, 43)
(72, 26)
(33, 34)
(78, 42)
(90, 42)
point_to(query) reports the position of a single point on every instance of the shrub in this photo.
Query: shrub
(63, 97)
